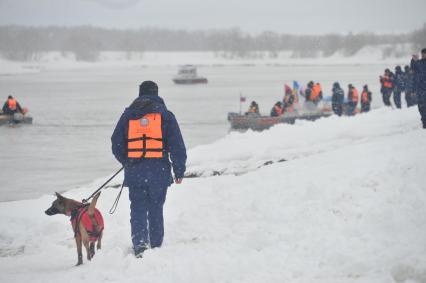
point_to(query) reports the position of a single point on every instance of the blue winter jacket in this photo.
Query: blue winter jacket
(153, 172)
(419, 68)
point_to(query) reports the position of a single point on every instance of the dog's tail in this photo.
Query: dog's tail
(91, 208)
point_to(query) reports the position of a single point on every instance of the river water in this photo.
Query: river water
(75, 112)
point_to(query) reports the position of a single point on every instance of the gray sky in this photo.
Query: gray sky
(285, 16)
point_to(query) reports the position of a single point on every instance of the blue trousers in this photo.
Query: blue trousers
(386, 96)
(421, 102)
(146, 216)
(397, 98)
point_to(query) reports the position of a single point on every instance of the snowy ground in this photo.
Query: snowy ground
(348, 205)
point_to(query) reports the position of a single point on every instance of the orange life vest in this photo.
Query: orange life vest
(387, 83)
(364, 97)
(11, 103)
(355, 95)
(145, 139)
(316, 89)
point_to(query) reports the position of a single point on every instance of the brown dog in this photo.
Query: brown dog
(86, 220)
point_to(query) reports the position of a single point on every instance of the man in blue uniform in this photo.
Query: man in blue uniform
(419, 69)
(147, 141)
(399, 86)
(337, 99)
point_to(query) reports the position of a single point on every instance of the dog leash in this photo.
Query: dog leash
(114, 206)
(101, 187)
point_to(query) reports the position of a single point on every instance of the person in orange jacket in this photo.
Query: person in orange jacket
(365, 99)
(11, 106)
(352, 99)
(313, 92)
(387, 82)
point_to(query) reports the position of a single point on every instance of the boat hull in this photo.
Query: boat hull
(190, 81)
(10, 119)
(259, 123)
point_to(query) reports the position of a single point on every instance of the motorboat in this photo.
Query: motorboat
(188, 75)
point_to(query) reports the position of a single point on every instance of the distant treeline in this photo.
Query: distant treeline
(27, 43)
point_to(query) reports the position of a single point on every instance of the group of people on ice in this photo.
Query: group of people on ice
(411, 82)
(396, 84)
(313, 95)
(349, 107)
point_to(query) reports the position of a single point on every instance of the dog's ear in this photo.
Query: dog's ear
(59, 196)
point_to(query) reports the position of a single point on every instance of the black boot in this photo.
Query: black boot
(139, 251)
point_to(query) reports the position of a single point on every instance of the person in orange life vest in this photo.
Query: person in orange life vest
(253, 109)
(288, 100)
(277, 110)
(352, 99)
(313, 92)
(11, 106)
(148, 143)
(365, 99)
(387, 85)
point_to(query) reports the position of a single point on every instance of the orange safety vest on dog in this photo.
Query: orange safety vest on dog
(364, 97)
(145, 138)
(11, 103)
(355, 95)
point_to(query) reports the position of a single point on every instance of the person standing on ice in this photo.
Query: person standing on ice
(352, 99)
(337, 99)
(410, 96)
(365, 99)
(148, 143)
(419, 69)
(399, 80)
(387, 86)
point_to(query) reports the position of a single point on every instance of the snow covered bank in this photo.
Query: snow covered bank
(65, 61)
(348, 205)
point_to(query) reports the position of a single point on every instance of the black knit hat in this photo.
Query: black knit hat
(148, 88)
